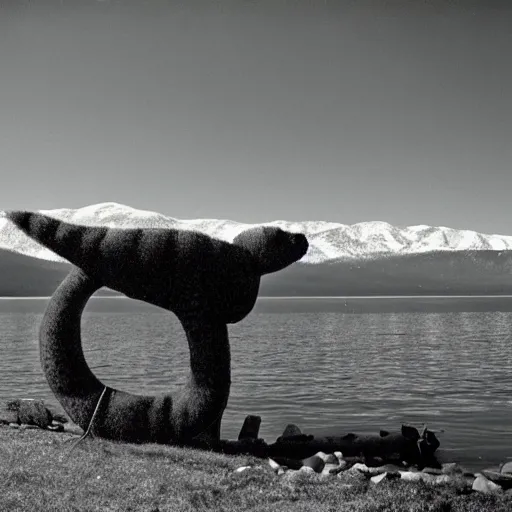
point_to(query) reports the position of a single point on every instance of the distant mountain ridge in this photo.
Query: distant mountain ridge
(329, 241)
(369, 258)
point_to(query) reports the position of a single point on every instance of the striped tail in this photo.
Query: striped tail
(80, 245)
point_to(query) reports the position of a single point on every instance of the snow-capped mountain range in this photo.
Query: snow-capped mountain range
(329, 241)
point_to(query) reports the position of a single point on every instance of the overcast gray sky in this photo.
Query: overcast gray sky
(344, 111)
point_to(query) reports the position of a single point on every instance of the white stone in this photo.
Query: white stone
(482, 484)
(378, 478)
(273, 464)
(241, 469)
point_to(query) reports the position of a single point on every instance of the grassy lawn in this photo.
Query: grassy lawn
(38, 473)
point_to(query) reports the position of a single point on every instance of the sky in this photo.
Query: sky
(397, 111)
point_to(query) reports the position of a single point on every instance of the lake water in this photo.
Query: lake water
(331, 366)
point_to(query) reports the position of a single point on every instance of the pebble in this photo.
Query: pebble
(241, 469)
(378, 478)
(488, 481)
(273, 464)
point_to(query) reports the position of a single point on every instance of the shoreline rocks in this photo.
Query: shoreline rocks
(25, 414)
(31, 412)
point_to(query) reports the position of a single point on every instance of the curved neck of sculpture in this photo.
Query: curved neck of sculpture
(124, 416)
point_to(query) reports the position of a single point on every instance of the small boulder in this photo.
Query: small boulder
(29, 411)
(314, 462)
(34, 412)
(482, 484)
(291, 430)
(506, 467)
(250, 428)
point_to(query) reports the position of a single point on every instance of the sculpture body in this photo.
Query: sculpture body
(206, 282)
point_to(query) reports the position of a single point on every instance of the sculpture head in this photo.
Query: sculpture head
(272, 248)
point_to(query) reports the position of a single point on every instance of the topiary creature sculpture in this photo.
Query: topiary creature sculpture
(207, 283)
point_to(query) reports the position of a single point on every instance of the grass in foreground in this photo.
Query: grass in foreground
(37, 474)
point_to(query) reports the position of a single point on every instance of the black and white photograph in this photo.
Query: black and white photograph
(256, 255)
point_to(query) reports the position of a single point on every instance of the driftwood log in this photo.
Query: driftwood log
(408, 445)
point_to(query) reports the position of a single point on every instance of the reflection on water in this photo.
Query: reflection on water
(328, 372)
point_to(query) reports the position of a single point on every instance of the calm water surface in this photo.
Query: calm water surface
(330, 367)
